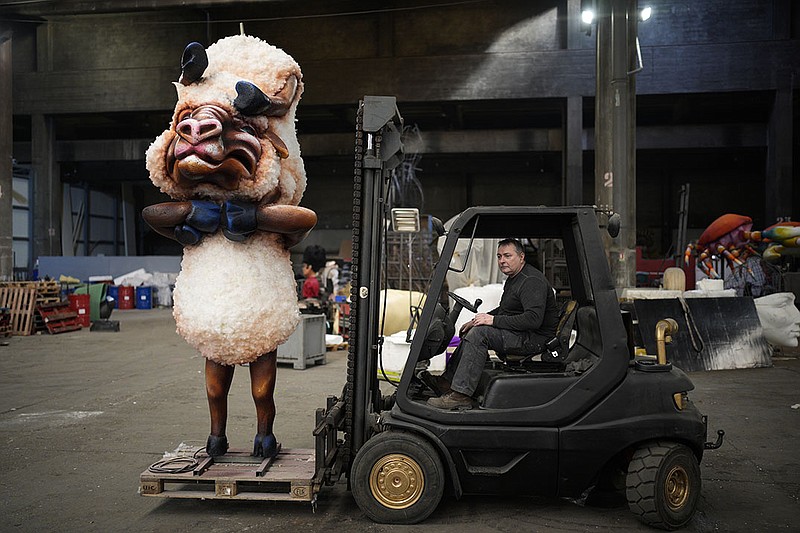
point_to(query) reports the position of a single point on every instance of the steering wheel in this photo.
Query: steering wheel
(465, 303)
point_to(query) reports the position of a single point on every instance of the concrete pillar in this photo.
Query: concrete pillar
(573, 152)
(46, 188)
(6, 142)
(615, 131)
(46, 204)
(779, 153)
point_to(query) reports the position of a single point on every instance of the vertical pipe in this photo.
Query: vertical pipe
(87, 217)
(615, 130)
(573, 152)
(6, 153)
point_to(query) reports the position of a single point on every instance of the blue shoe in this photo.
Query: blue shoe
(216, 446)
(265, 446)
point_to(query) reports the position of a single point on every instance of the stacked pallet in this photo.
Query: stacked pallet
(48, 292)
(57, 317)
(35, 306)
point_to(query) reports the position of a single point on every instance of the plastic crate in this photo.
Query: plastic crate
(306, 346)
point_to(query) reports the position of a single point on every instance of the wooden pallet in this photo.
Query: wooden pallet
(239, 476)
(58, 317)
(336, 347)
(47, 292)
(20, 301)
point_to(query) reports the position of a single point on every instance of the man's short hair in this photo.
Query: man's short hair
(513, 242)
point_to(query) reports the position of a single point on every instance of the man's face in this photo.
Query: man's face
(509, 260)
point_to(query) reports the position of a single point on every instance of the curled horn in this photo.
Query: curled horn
(251, 100)
(193, 63)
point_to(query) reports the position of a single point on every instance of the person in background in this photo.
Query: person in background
(313, 261)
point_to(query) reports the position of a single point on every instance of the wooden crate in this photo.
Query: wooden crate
(20, 300)
(239, 476)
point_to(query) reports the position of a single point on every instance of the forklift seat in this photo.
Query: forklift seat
(537, 383)
(555, 353)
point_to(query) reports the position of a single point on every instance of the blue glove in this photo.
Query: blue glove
(203, 218)
(238, 219)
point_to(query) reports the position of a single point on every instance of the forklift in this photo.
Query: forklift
(591, 414)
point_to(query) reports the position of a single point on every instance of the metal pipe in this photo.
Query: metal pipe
(664, 328)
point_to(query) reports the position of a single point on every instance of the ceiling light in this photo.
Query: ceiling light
(646, 13)
(587, 16)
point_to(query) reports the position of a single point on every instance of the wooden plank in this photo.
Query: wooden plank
(239, 476)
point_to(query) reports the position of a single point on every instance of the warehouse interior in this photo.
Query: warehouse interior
(630, 145)
(490, 92)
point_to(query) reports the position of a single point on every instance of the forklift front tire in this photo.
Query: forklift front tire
(397, 478)
(663, 484)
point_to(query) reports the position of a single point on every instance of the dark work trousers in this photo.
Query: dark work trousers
(464, 369)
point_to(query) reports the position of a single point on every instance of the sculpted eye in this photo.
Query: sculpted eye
(249, 130)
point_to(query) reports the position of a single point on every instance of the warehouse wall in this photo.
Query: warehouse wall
(489, 68)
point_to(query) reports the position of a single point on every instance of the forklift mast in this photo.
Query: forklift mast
(378, 150)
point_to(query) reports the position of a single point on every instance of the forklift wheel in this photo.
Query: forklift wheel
(663, 484)
(397, 478)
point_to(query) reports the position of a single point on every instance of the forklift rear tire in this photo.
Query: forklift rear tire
(663, 484)
(397, 478)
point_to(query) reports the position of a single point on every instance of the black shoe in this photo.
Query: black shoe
(265, 446)
(437, 384)
(216, 446)
(451, 400)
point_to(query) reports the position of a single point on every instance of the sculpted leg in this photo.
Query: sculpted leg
(218, 384)
(262, 383)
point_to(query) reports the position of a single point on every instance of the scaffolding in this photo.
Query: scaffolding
(410, 257)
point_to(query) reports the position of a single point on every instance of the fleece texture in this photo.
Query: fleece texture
(235, 301)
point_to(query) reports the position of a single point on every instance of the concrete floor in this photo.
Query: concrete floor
(82, 414)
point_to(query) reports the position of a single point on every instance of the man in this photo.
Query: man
(525, 320)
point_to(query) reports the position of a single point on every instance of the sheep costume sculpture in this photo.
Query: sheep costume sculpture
(231, 160)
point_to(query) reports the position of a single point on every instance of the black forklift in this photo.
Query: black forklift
(591, 414)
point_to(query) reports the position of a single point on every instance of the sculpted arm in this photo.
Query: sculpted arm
(293, 222)
(164, 217)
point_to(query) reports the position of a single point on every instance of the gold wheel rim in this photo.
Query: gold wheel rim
(676, 488)
(396, 481)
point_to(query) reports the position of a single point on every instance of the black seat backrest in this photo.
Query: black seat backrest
(589, 341)
(564, 330)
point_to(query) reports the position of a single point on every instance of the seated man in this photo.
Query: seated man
(525, 320)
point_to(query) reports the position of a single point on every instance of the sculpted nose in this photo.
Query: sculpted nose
(195, 131)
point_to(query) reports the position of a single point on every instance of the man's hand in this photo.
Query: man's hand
(481, 319)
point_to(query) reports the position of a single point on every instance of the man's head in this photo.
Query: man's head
(510, 257)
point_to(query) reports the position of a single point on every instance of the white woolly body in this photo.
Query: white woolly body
(235, 301)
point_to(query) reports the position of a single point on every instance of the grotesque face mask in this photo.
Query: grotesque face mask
(232, 134)
(779, 318)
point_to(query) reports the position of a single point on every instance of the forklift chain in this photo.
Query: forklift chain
(355, 274)
(354, 281)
